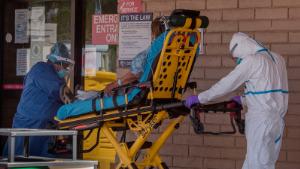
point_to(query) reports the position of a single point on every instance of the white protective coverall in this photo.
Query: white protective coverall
(266, 95)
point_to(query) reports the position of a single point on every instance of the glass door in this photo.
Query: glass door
(100, 58)
(30, 28)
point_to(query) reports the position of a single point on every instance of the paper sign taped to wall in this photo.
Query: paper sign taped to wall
(129, 6)
(134, 34)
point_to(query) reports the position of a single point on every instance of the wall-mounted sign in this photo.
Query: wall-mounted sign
(129, 6)
(105, 29)
(135, 34)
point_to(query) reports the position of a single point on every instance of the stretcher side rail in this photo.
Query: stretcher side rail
(98, 119)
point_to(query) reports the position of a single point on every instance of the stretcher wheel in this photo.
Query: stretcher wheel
(199, 128)
(164, 165)
(133, 166)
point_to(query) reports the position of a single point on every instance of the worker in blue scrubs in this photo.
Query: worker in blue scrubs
(40, 99)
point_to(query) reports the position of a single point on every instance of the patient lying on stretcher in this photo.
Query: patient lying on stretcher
(141, 69)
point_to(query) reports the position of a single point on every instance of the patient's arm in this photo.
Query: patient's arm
(129, 77)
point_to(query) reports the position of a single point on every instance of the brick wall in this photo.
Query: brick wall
(274, 22)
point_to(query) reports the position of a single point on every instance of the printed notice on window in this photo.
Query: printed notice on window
(22, 65)
(51, 33)
(21, 26)
(36, 52)
(37, 24)
(134, 34)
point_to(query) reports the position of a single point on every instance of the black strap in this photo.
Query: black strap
(88, 135)
(114, 99)
(94, 105)
(97, 141)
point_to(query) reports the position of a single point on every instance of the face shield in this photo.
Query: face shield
(59, 55)
(65, 60)
(66, 65)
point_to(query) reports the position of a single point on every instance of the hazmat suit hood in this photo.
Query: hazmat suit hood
(241, 45)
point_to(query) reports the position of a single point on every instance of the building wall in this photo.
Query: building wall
(274, 22)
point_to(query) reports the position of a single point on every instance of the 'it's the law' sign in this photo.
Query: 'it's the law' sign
(105, 29)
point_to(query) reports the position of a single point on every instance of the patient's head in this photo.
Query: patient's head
(157, 27)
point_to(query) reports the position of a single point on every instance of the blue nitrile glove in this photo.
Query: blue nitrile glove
(191, 100)
(237, 99)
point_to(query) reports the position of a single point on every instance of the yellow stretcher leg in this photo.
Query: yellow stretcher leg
(121, 149)
(152, 158)
(127, 154)
(104, 152)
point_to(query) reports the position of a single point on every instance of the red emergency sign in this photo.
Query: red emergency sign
(129, 6)
(105, 29)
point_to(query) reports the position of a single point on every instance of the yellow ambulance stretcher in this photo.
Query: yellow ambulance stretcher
(158, 99)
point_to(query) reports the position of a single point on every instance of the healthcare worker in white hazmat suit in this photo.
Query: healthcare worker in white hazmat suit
(266, 95)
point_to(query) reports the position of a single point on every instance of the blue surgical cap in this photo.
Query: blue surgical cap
(58, 49)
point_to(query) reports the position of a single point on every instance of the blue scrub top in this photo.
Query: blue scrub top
(38, 104)
(40, 97)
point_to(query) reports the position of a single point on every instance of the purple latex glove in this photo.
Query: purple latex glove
(191, 100)
(237, 99)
